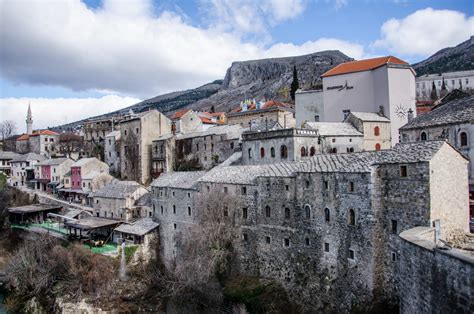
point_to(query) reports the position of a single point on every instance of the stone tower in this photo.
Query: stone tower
(29, 121)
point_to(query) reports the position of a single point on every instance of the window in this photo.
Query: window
(306, 241)
(303, 151)
(312, 151)
(175, 226)
(161, 210)
(394, 226)
(225, 190)
(267, 211)
(351, 186)
(97, 201)
(316, 118)
(262, 152)
(197, 147)
(403, 171)
(377, 146)
(463, 138)
(268, 240)
(287, 187)
(287, 213)
(327, 215)
(174, 209)
(244, 213)
(189, 195)
(326, 185)
(208, 188)
(423, 136)
(334, 150)
(351, 254)
(231, 145)
(97, 214)
(226, 211)
(376, 131)
(189, 211)
(307, 210)
(333, 140)
(137, 130)
(245, 237)
(439, 83)
(452, 82)
(250, 153)
(287, 242)
(272, 152)
(283, 152)
(326, 247)
(244, 190)
(352, 217)
(307, 184)
(125, 132)
(467, 81)
(173, 193)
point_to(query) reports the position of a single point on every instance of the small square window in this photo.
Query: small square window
(268, 240)
(287, 242)
(351, 254)
(403, 172)
(334, 140)
(326, 247)
(225, 189)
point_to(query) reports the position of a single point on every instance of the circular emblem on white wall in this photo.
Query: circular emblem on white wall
(401, 112)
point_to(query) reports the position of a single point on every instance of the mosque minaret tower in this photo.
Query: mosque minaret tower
(29, 121)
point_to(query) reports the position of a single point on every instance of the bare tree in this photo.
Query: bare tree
(7, 129)
(70, 143)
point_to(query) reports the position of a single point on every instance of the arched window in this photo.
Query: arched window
(463, 138)
(312, 151)
(423, 136)
(352, 217)
(250, 153)
(262, 152)
(267, 211)
(376, 131)
(303, 151)
(272, 152)
(307, 210)
(334, 150)
(377, 146)
(283, 152)
(327, 214)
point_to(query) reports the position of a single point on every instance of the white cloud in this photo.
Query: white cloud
(48, 112)
(121, 47)
(424, 32)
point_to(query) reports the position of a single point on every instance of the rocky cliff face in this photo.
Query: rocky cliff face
(270, 78)
(459, 58)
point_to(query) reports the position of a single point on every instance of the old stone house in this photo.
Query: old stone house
(23, 168)
(374, 126)
(116, 200)
(43, 142)
(271, 111)
(5, 158)
(337, 137)
(185, 121)
(137, 132)
(327, 226)
(49, 173)
(196, 150)
(112, 152)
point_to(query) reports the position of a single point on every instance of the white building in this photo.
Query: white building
(23, 168)
(309, 106)
(452, 80)
(384, 84)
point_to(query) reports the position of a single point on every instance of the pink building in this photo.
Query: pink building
(76, 178)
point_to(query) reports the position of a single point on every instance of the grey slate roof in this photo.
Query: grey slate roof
(333, 128)
(29, 156)
(81, 162)
(178, 179)
(139, 227)
(259, 125)
(52, 162)
(8, 155)
(233, 131)
(117, 189)
(370, 117)
(453, 112)
(144, 200)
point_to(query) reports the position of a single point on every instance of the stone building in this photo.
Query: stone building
(185, 121)
(326, 226)
(452, 121)
(137, 132)
(337, 137)
(196, 150)
(116, 200)
(374, 126)
(112, 152)
(23, 168)
(367, 85)
(49, 173)
(95, 132)
(271, 111)
(463, 80)
(5, 158)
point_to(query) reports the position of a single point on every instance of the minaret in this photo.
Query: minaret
(29, 121)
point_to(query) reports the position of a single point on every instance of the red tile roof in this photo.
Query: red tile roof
(207, 120)
(362, 65)
(25, 137)
(179, 114)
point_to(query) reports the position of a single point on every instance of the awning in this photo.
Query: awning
(74, 191)
(40, 180)
(53, 183)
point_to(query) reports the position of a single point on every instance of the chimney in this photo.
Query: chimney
(346, 113)
(410, 115)
(381, 111)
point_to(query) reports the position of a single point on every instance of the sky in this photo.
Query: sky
(71, 59)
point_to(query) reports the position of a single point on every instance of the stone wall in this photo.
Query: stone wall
(432, 280)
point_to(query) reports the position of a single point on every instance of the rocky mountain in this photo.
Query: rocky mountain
(459, 58)
(267, 78)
